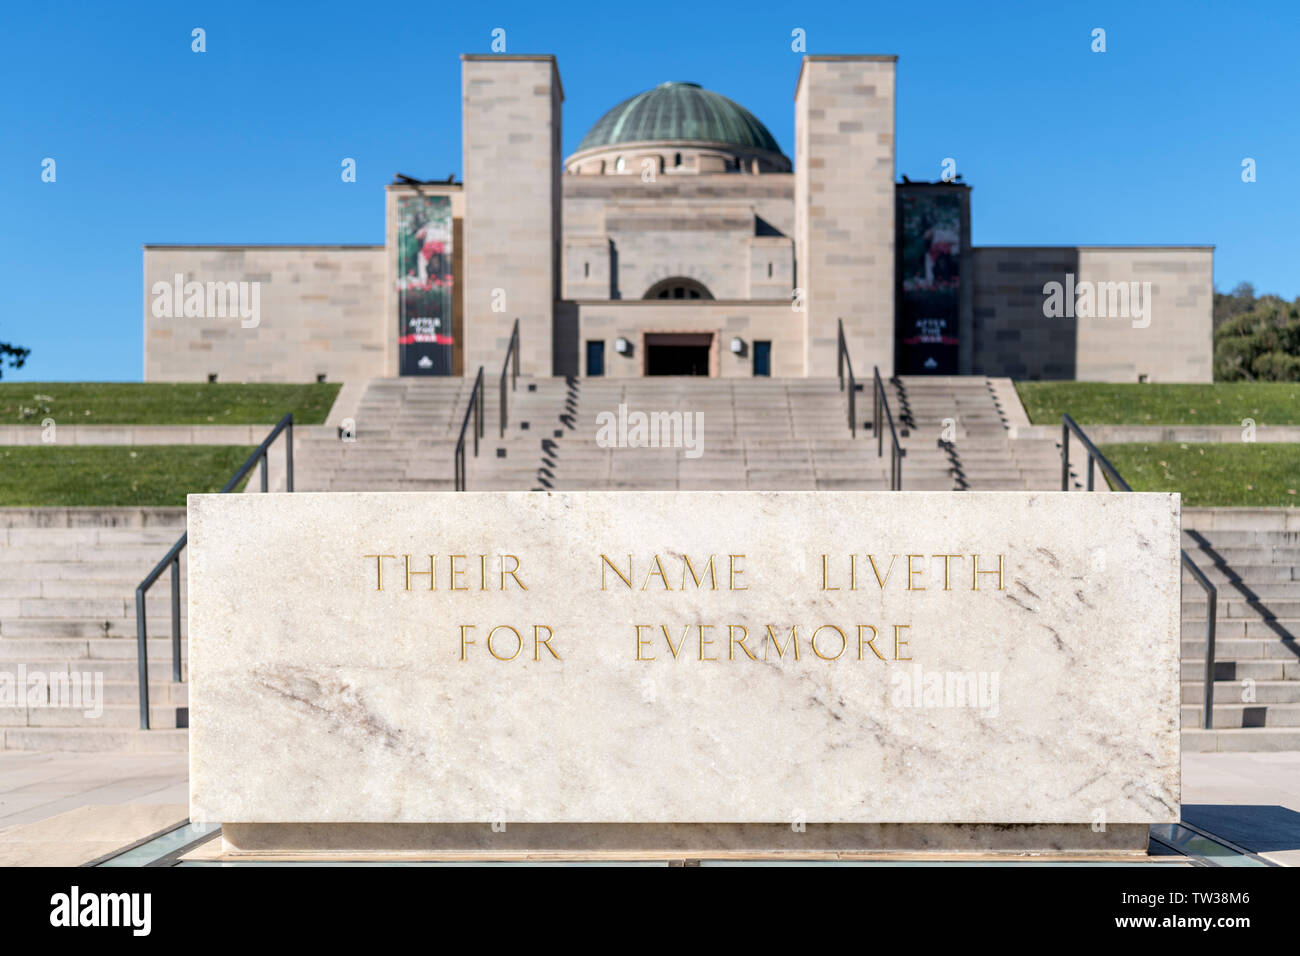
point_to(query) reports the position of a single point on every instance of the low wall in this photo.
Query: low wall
(1171, 342)
(320, 312)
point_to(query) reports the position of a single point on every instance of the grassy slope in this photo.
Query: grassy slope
(1223, 403)
(104, 476)
(163, 403)
(1222, 474)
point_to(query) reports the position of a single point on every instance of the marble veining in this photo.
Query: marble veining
(318, 699)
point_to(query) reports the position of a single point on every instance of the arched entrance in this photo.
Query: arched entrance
(678, 287)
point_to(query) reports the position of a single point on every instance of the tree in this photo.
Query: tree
(1260, 344)
(1227, 304)
(16, 355)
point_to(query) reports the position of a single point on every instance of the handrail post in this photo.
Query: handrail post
(1091, 471)
(853, 408)
(502, 392)
(288, 456)
(264, 475)
(176, 618)
(473, 410)
(880, 413)
(478, 411)
(142, 658)
(875, 415)
(1065, 455)
(839, 352)
(1211, 616)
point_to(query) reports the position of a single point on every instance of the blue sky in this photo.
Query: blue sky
(242, 144)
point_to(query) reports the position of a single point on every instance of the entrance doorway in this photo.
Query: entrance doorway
(684, 353)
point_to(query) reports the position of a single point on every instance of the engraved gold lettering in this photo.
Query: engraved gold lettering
(519, 642)
(732, 642)
(899, 644)
(825, 584)
(379, 568)
(406, 559)
(703, 641)
(455, 571)
(708, 570)
(912, 572)
(736, 572)
(879, 580)
(947, 562)
(843, 642)
(659, 570)
(513, 572)
(870, 643)
(538, 643)
(780, 651)
(669, 639)
(605, 562)
(975, 573)
(641, 641)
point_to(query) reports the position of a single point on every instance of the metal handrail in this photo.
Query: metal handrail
(880, 410)
(1095, 457)
(842, 361)
(512, 351)
(173, 559)
(475, 408)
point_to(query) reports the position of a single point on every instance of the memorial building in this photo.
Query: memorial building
(679, 238)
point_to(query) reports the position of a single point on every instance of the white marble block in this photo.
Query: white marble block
(531, 684)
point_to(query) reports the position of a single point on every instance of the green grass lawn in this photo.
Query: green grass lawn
(117, 475)
(163, 403)
(1220, 474)
(1223, 403)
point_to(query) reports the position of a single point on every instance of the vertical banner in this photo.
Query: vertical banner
(424, 285)
(929, 252)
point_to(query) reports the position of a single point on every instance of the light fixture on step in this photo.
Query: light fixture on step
(622, 346)
(738, 345)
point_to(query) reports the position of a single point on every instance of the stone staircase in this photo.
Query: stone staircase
(68, 576)
(404, 436)
(957, 438)
(765, 434)
(758, 434)
(1253, 557)
(67, 607)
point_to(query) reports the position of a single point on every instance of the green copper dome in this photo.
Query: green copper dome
(679, 112)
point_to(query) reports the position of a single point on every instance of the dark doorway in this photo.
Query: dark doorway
(595, 358)
(763, 358)
(678, 354)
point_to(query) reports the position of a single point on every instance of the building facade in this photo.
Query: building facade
(677, 239)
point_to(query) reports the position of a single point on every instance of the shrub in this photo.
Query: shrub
(1262, 344)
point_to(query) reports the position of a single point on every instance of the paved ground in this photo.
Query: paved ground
(34, 786)
(1252, 799)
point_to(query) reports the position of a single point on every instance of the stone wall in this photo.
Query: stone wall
(1011, 335)
(1014, 337)
(511, 119)
(622, 234)
(844, 207)
(1178, 344)
(321, 312)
